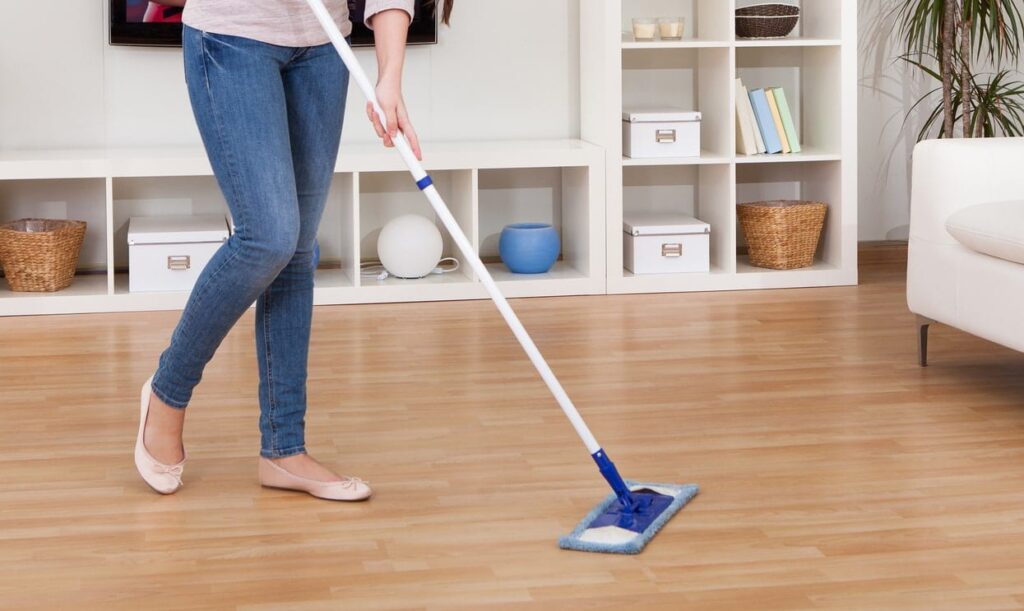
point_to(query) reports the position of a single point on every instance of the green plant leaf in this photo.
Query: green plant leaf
(996, 29)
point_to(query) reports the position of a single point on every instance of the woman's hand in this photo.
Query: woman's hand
(391, 28)
(389, 95)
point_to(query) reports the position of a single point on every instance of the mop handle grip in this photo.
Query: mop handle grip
(425, 184)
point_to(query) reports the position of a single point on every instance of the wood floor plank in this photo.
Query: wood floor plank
(834, 472)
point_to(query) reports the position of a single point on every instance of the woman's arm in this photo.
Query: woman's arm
(391, 30)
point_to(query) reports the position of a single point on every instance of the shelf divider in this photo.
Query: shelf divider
(109, 212)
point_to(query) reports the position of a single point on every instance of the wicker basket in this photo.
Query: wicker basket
(766, 20)
(40, 255)
(782, 234)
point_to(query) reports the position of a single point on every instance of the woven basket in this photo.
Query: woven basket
(782, 234)
(766, 20)
(40, 255)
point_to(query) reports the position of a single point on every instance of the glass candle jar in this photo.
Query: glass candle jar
(671, 28)
(645, 29)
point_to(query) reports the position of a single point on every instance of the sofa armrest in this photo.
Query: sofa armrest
(955, 173)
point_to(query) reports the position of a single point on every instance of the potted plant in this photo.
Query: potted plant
(964, 45)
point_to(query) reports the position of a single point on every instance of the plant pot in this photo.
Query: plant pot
(529, 248)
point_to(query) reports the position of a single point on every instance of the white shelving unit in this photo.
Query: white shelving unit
(486, 184)
(817, 67)
(581, 186)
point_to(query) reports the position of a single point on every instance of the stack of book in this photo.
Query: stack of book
(764, 123)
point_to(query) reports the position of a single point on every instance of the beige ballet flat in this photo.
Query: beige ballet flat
(165, 479)
(349, 489)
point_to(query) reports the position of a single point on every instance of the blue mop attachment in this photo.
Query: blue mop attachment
(628, 518)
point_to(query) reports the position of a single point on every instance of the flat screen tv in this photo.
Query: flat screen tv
(150, 23)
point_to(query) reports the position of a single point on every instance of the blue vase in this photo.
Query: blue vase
(529, 248)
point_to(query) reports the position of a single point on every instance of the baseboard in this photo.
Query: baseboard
(887, 252)
(881, 252)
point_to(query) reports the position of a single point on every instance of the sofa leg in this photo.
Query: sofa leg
(922, 339)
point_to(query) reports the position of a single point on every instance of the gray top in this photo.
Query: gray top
(288, 23)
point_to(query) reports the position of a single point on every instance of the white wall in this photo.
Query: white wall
(504, 71)
(499, 73)
(889, 88)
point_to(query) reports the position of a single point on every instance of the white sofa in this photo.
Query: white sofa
(966, 260)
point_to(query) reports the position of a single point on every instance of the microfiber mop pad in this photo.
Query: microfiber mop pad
(611, 530)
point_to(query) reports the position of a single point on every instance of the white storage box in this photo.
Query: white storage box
(167, 253)
(665, 132)
(665, 244)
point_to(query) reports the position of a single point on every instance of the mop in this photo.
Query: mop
(634, 512)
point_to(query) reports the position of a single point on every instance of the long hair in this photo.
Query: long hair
(446, 11)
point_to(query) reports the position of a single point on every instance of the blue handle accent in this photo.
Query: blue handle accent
(426, 182)
(611, 475)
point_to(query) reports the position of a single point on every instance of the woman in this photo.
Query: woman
(268, 93)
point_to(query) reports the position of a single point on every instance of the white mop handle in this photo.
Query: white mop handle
(441, 209)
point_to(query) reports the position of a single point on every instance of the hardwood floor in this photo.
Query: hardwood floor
(835, 473)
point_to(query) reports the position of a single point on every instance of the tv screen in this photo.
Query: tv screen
(149, 23)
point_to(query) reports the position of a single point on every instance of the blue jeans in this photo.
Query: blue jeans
(271, 119)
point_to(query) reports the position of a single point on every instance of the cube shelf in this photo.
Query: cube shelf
(707, 22)
(556, 196)
(819, 24)
(485, 185)
(704, 192)
(817, 181)
(816, 65)
(385, 196)
(156, 196)
(810, 78)
(79, 199)
(689, 79)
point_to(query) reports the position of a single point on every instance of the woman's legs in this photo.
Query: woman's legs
(315, 85)
(271, 120)
(238, 97)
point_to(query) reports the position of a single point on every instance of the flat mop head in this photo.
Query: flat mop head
(611, 530)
